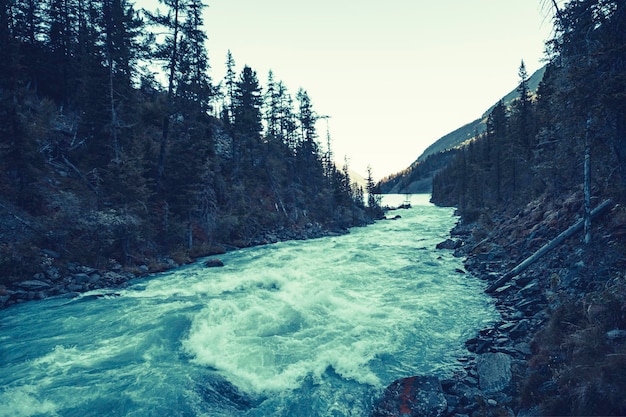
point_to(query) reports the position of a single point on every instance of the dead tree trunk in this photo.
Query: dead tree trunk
(546, 248)
(587, 186)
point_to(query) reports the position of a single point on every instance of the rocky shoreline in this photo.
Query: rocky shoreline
(497, 356)
(505, 372)
(59, 277)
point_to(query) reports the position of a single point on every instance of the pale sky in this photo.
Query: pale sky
(394, 75)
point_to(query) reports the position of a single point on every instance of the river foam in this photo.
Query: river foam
(299, 328)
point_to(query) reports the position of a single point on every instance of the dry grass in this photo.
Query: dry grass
(576, 368)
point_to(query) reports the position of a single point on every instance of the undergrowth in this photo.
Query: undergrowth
(580, 356)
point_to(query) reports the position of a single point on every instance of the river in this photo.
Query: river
(299, 328)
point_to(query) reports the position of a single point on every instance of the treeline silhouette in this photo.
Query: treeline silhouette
(116, 144)
(536, 146)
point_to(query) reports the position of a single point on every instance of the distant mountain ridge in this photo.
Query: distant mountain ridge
(478, 126)
(417, 178)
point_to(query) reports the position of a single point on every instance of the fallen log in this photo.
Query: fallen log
(576, 227)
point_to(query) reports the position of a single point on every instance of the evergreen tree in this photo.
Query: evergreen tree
(247, 105)
(121, 30)
(306, 117)
(286, 117)
(272, 104)
(373, 196)
(230, 82)
(496, 136)
(8, 48)
(169, 53)
(194, 84)
(61, 25)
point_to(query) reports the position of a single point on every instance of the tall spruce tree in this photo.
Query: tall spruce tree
(169, 53)
(247, 105)
(230, 82)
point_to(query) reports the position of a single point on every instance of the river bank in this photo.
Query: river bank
(62, 277)
(297, 328)
(559, 346)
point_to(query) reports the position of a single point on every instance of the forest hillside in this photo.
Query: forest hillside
(117, 147)
(542, 165)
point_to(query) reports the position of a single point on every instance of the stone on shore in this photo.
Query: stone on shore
(213, 263)
(33, 285)
(450, 244)
(494, 371)
(412, 397)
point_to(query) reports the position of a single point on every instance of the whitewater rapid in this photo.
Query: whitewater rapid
(300, 328)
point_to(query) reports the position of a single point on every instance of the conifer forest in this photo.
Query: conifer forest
(117, 146)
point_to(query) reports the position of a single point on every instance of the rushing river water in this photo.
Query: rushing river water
(302, 328)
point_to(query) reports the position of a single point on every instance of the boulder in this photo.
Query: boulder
(93, 278)
(33, 285)
(213, 263)
(412, 397)
(494, 371)
(522, 328)
(81, 278)
(450, 244)
(616, 334)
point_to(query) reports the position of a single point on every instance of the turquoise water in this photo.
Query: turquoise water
(303, 328)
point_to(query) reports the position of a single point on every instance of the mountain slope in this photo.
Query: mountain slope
(468, 131)
(417, 178)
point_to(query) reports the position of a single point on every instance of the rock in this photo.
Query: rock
(466, 394)
(450, 244)
(33, 285)
(523, 348)
(505, 327)
(521, 329)
(81, 278)
(113, 278)
(85, 269)
(4, 299)
(531, 289)
(504, 288)
(412, 397)
(51, 253)
(524, 279)
(530, 306)
(93, 278)
(75, 288)
(616, 334)
(19, 295)
(494, 371)
(53, 273)
(212, 263)
(478, 344)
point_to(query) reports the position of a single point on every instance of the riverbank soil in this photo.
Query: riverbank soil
(560, 346)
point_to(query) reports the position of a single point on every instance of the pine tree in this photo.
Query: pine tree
(373, 196)
(271, 99)
(121, 30)
(169, 53)
(247, 105)
(62, 24)
(306, 117)
(8, 48)
(496, 136)
(230, 82)
(286, 117)
(194, 83)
